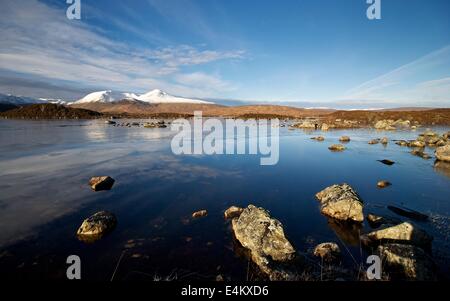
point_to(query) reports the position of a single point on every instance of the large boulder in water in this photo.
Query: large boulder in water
(341, 202)
(264, 237)
(406, 262)
(443, 153)
(96, 226)
(404, 233)
(101, 183)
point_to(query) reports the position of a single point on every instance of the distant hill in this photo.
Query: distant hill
(148, 109)
(49, 111)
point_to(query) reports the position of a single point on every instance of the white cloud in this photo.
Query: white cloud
(421, 82)
(40, 41)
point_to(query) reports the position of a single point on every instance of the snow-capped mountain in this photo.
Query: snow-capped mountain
(103, 96)
(158, 96)
(154, 96)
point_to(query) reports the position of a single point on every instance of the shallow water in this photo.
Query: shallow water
(44, 196)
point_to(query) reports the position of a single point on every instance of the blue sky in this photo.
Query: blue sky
(311, 52)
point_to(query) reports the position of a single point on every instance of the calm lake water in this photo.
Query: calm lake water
(44, 197)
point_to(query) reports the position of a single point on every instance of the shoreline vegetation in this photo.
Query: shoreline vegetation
(323, 119)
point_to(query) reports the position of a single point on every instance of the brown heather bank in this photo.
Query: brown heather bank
(369, 118)
(128, 109)
(49, 111)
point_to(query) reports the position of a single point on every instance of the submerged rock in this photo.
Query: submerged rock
(344, 139)
(386, 162)
(404, 233)
(406, 262)
(336, 147)
(200, 213)
(328, 251)
(374, 141)
(420, 153)
(383, 184)
(348, 233)
(101, 183)
(443, 153)
(233, 212)
(408, 213)
(376, 221)
(264, 237)
(96, 226)
(341, 202)
(318, 138)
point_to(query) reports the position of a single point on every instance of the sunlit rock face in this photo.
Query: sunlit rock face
(264, 237)
(342, 203)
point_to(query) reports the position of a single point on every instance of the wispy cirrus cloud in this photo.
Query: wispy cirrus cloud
(39, 41)
(425, 81)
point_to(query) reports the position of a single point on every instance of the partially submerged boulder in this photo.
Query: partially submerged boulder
(341, 202)
(96, 226)
(318, 138)
(374, 141)
(406, 262)
(233, 212)
(404, 233)
(264, 237)
(383, 184)
(384, 140)
(101, 183)
(327, 251)
(443, 153)
(336, 147)
(344, 139)
(200, 213)
(420, 153)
